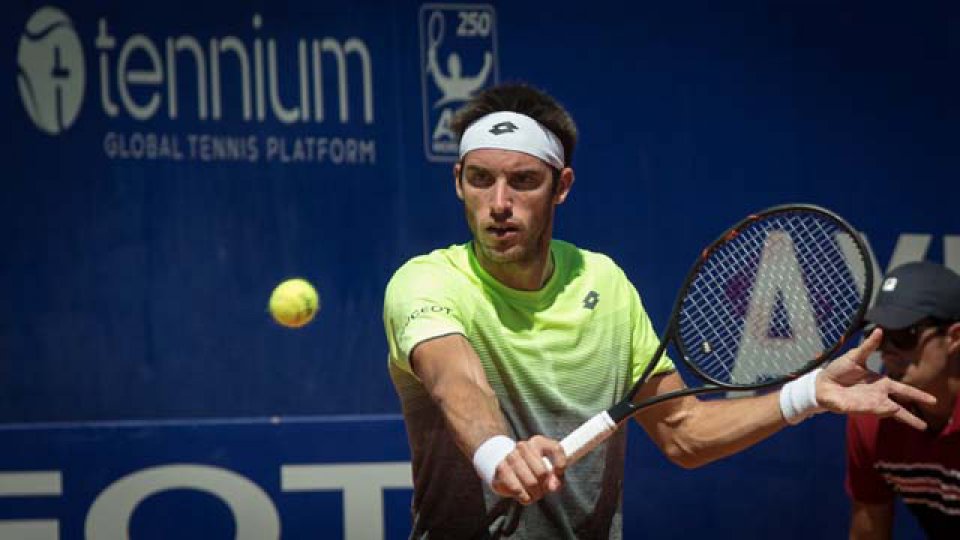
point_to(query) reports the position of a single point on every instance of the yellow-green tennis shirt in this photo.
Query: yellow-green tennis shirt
(555, 357)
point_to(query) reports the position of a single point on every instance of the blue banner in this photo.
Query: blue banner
(169, 164)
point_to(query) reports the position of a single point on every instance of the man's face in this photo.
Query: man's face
(918, 356)
(508, 199)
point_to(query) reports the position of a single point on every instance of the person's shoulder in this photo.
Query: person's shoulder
(434, 267)
(582, 260)
(568, 252)
(442, 258)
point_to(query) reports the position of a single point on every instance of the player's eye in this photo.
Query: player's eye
(525, 181)
(479, 178)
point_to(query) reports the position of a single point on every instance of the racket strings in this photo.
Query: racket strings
(771, 299)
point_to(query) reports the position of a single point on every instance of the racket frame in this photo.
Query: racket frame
(627, 407)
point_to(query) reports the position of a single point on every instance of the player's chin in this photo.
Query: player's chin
(503, 252)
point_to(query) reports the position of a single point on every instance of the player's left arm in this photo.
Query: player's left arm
(692, 432)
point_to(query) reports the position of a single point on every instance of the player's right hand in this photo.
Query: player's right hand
(523, 475)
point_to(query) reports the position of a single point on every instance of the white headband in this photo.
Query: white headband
(508, 130)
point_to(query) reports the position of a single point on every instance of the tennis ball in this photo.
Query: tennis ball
(294, 303)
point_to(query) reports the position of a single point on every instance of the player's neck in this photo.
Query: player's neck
(527, 275)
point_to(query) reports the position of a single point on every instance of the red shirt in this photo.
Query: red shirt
(886, 458)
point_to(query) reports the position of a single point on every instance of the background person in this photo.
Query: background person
(918, 308)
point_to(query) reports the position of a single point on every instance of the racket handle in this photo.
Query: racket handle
(585, 438)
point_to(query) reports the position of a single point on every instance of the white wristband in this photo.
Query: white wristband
(490, 454)
(798, 399)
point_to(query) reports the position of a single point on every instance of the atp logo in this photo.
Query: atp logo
(50, 72)
(458, 59)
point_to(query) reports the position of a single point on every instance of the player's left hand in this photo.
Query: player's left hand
(847, 386)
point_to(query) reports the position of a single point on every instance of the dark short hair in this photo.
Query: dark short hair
(523, 99)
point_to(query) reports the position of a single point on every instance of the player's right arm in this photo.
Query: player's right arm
(871, 521)
(427, 317)
(453, 375)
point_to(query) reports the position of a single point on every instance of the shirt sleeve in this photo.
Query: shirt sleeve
(419, 304)
(644, 340)
(863, 482)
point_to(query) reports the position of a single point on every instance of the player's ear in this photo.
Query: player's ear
(953, 338)
(457, 168)
(564, 183)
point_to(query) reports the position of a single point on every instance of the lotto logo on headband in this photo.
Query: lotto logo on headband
(458, 59)
(503, 127)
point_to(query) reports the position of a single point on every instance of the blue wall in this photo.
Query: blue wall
(134, 281)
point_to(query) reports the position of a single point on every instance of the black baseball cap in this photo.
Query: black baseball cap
(916, 291)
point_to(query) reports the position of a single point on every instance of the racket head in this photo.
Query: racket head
(773, 297)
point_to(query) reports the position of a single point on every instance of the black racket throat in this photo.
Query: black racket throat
(625, 409)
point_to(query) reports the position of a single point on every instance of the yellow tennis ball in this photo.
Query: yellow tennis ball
(294, 303)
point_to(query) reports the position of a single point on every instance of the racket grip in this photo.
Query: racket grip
(585, 438)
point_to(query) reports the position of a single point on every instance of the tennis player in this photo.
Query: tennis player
(501, 345)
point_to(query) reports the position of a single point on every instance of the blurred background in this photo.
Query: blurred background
(171, 163)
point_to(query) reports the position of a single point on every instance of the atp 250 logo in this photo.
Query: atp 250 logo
(458, 58)
(50, 72)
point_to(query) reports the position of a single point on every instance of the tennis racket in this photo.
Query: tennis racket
(772, 298)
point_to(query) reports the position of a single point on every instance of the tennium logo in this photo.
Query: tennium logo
(256, 74)
(50, 73)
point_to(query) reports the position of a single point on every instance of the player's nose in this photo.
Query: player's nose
(501, 199)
